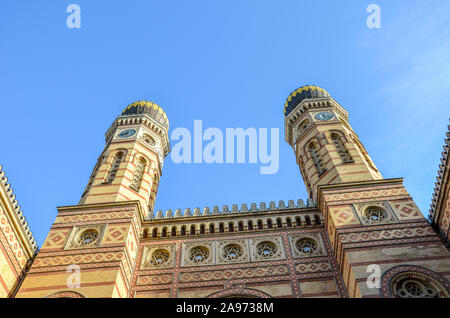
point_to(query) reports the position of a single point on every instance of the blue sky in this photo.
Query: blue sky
(229, 63)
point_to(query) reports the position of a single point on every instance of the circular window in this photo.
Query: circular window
(198, 254)
(87, 237)
(303, 125)
(414, 288)
(375, 214)
(306, 246)
(232, 252)
(266, 249)
(159, 257)
(149, 139)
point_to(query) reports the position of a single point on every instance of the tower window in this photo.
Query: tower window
(303, 126)
(120, 156)
(250, 225)
(375, 214)
(138, 174)
(318, 162)
(183, 230)
(211, 228)
(340, 147)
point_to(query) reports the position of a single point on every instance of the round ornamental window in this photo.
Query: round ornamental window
(302, 127)
(266, 249)
(375, 214)
(198, 254)
(414, 288)
(149, 139)
(159, 257)
(306, 246)
(87, 237)
(232, 252)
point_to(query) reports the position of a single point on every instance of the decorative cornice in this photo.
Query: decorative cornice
(441, 189)
(17, 213)
(234, 209)
(353, 185)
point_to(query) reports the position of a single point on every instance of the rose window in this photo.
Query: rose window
(159, 257)
(306, 246)
(375, 214)
(149, 139)
(87, 237)
(266, 249)
(198, 254)
(232, 252)
(413, 288)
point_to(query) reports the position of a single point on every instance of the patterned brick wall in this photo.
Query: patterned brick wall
(105, 266)
(283, 275)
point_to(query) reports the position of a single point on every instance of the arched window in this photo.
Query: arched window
(174, 231)
(202, 229)
(269, 224)
(250, 225)
(340, 147)
(192, 230)
(183, 230)
(317, 219)
(318, 162)
(279, 223)
(221, 228)
(211, 228)
(155, 233)
(416, 285)
(307, 220)
(120, 156)
(240, 227)
(288, 222)
(164, 232)
(298, 221)
(230, 227)
(260, 225)
(303, 126)
(138, 174)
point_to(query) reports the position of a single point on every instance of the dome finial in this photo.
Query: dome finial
(149, 108)
(302, 93)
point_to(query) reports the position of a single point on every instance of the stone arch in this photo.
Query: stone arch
(66, 294)
(437, 280)
(234, 290)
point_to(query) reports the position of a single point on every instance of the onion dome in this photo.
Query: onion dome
(302, 93)
(149, 108)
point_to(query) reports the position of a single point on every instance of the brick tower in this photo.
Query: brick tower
(91, 248)
(373, 224)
